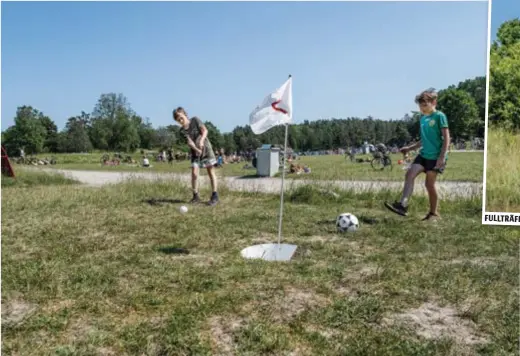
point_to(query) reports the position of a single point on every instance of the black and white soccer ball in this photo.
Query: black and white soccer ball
(347, 223)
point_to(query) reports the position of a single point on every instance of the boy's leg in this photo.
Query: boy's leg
(194, 182)
(409, 182)
(431, 178)
(401, 207)
(213, 179)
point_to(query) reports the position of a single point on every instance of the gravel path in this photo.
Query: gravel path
(446, 189)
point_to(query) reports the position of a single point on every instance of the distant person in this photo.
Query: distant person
(220, 161)
(146, 162)
(202, 155)
(432, 157)
(380, 147)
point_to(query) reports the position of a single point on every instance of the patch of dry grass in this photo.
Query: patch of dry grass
(503, 171)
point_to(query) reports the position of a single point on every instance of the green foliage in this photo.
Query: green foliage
(75, 137)
(164, 138)
(214, 135)
(28, 132)
(114, 126)
(461, 110)
(504, 88)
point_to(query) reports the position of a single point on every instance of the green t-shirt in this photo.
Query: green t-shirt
(431, 135)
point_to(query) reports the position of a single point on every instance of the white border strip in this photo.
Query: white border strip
(267, 0)
(510, 219)
(490, 5)
(488, 217)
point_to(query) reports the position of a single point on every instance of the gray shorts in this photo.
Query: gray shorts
(203, 162)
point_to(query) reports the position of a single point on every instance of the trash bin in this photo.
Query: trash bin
(267, 161)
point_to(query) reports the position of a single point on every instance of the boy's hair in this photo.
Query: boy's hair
(427, 96)
(179, 110)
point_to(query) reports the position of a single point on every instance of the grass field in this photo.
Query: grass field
(462, 166)
(503, 171)
(94, 271)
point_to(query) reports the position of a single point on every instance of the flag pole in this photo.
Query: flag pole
(283, 182)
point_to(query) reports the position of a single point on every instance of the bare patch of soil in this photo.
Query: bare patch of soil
(15, 311)
(432, 321)
(222, 329)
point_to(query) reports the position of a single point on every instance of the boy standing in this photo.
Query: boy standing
(202, 155)
(434, 143)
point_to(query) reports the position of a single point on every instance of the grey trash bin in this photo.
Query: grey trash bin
(268, 161)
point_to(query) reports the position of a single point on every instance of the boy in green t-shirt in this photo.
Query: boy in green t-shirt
(434, 143)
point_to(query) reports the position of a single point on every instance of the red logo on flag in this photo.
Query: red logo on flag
(273, 105)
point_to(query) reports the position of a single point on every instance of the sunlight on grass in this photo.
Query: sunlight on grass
(503, 171)
(29, 178)
(462, 166)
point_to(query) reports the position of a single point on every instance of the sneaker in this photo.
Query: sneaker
(195, 199)
(213, 200)
(397, 208)
(430, 216)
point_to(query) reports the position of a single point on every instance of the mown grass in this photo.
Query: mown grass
(503, 171)
(30, 178)
(91, 271)
(462, 166)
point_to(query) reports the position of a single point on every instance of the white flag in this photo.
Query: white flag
(276, 109)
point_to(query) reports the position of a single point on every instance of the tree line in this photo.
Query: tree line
(504, 77)
(114, 126)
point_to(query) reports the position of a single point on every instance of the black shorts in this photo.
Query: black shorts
(428, 164)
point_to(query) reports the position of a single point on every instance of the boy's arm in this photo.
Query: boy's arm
(412, 147)
(203, 133)
(446, 144)
(190, 142)
(445, 131)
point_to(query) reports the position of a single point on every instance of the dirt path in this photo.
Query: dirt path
(446, 189)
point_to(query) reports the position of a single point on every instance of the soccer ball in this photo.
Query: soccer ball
(347, 223)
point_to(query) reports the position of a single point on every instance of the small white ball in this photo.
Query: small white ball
(183, 209)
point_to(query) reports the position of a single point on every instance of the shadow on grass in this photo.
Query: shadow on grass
(174, 250)
(249, 176)
(369, 220)
(364, 219)
(326, 222)
(162, 201)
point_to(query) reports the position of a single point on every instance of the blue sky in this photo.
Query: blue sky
(219, 60)
(501, 11)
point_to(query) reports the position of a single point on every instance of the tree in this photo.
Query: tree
(75, 137)
(51, 136)
(504, 88)
(461, 110)
(27, 133)
(229, 143)
(214, 135)
(114, 124)
(477, 89)
(145, 130)
(108, 105)
(125, 136)
(164, 138)
(508, 33)
(402, 136)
